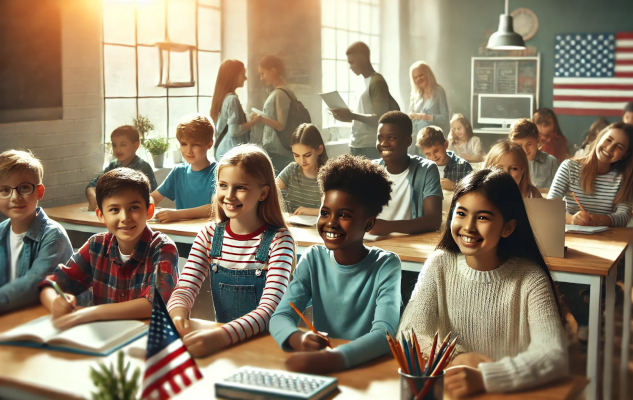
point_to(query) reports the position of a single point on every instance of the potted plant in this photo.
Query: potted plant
(143, 126)
(157, 147)
(115, 384)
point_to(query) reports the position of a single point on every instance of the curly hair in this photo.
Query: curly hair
(358, 176)
(399, 119)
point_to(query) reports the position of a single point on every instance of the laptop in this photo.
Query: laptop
(547, 218)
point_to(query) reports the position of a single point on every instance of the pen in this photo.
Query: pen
(309, 324)
(581, 207)
(61, 293)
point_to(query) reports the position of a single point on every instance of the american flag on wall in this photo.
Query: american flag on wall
(169, 367)
(593, 73)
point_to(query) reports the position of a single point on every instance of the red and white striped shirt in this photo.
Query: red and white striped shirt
(238, 252)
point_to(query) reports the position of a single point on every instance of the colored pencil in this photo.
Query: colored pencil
(444, 360)
(431, 355)
(309, 324)
(418, 352)
(398, 357)
(579, 205)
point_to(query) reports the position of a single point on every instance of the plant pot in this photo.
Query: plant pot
(158, 160)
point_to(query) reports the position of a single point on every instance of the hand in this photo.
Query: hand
(463, 381)
(92, 207)
(60, 306)
(165, 216)
(319, 362)
(256, 119)
(306, 211)
(470, 359)
(310, 341)
(342, 114)
(582, 218)
(181, 320)
(206, 342)
(381, 228)
(446, 184)
(414, 116)
(426, 117)
(78, 317)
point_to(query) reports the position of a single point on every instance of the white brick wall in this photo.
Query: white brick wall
(70, 149)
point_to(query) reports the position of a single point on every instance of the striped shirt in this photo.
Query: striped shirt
(238, 252)
(567, 180)
(300, 190)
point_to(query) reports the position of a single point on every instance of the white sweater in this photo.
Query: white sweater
(508, 314)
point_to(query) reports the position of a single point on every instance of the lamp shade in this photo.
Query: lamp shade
(505, 38)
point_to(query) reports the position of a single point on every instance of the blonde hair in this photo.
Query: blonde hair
(225, 83)
(416, 91)
(195, 127)
(501, 149)
(13, 161)
(254, 161)
(468, 128)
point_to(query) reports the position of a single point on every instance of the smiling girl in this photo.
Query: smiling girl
(602, 180)
(247, 249)
(462, 141)
(511, 158)
(298, 179)
(551, 138)
(488, 283)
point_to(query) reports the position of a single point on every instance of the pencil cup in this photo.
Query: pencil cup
(435, 392)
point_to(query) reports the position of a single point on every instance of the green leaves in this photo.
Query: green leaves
(143, 125)
(157, 146)
(114, 385)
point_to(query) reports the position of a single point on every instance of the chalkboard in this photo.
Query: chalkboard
(484, 77)
(499, 76)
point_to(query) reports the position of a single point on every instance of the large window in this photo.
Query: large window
(344, 22)
(131, 28)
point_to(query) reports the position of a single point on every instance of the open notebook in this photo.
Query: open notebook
(96, 338)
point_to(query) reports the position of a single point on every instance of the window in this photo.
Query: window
(131, 28)
(344, 22)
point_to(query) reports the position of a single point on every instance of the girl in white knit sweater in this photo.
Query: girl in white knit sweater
(488, 283)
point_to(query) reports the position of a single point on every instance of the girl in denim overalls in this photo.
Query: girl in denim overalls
(247, 249)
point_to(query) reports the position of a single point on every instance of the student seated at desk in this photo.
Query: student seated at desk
(355, 290)
(416, 199)
(246, 247)
(543, 166)
(452, 169)
(488, 283)
(511, 158)
(125, 143)
(602, 180)
(31, 244)
(192, 183)
(121, 266)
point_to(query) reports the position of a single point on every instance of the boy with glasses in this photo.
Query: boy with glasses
(31, 244)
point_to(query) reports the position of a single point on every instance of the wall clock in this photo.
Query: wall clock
(525, 22)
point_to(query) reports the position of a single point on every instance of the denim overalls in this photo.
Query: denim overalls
(237, 292)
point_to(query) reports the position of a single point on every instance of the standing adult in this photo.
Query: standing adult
(428, 101)
(272, 71)
(231, 125)
(372, 100)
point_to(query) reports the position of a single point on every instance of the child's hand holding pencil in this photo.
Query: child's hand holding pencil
(310, 341)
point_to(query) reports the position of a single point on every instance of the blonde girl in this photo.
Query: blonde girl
(299, 179)
(511, 157)
(246, 248)
(462, 140)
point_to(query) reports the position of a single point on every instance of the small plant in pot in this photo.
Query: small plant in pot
(157, 147)
(143, 126)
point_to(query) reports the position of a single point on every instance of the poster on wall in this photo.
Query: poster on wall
(593, 73)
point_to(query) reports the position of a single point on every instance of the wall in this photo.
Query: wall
(70, 148)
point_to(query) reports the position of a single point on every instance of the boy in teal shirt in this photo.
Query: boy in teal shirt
(355, 290)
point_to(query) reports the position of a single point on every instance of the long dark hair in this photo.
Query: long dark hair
(309, 135)
(501, 190)
(543, 114)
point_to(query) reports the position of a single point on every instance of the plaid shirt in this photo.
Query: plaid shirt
(98, 264)
(457, 168)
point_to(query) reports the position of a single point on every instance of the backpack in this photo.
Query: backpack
(297, 115)
(393, 104)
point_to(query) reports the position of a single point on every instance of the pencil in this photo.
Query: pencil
(440, 353)
(309, 324)
(579, 205)
(418, 353)
(429, 363)
(397, 356)
(440, 367)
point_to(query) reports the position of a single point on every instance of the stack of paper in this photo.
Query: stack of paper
(587, 230)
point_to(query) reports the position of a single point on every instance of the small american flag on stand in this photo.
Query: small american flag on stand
(169, 367)
(593, 73)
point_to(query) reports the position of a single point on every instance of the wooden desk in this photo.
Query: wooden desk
(61, 375)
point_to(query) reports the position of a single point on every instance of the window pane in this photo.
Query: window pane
(365, 18)
(181, 21)
(354, 23)
(375, 49)
(178, 108)
(209, 29)
(119, 71)
(341, 44)
(156, 111)
(118, 22)
(180, 71)
(328, 74)
(209, 63)
(148, 72)
(375, 20)
(341, 14)
(204, 105)
(118, 112)
(151, 21)
(353, 38)
(328, 43)
(328, 17)
(342, 75)
(365, 39)
(214, 3)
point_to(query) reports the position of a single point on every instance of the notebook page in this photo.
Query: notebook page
(98, 336)
(39, 330)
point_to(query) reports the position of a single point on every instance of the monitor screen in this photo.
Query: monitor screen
(504, 109)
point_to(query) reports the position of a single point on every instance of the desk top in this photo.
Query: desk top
(60, 375)
(586, 254)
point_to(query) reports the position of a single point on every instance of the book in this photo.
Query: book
(587, 230)
(305, 220)
(99, 338)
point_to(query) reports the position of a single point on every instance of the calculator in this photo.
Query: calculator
(264, 384)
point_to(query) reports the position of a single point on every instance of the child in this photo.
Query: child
(452, 168)
(511, 158)
(120, 266)
(416, 202)
(488, 283)
(299, 178)
(31, 244)
(191, 184)
(551, 138)
(602, 180)
(125, 143)
(543, 166)
(462, 141)
(627, 114)
(354, 290)
(249, 250)
(597, 127)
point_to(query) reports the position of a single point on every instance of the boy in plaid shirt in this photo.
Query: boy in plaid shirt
(452, 168)
(122, 265)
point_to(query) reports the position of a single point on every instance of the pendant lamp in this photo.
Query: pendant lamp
(505, 38)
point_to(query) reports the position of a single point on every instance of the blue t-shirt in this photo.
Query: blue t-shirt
(190, 189)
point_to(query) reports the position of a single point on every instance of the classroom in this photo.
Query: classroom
(316, 199)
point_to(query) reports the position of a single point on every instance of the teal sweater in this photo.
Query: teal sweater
(359, 302)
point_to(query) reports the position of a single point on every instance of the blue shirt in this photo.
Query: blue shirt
(232, 115)
(359, 302)
(190, 189)
(543, 169)
(137, 163)
(46, 245)
(457, 168)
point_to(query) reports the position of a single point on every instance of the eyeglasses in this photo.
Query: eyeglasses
(23, 189)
